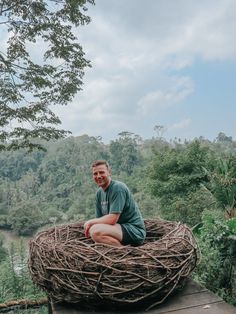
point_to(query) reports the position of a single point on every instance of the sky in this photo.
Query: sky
(170, 63)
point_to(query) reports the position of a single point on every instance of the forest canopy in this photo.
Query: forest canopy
(171, 179)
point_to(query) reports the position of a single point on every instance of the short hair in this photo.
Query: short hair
(100, 162)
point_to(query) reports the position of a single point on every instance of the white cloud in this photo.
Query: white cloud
(181, 88)
(182, 125)
(136, 37)
(209, 33)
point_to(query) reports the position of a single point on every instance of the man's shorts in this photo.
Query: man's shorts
(126, 238)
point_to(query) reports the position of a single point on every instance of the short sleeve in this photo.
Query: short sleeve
(118, 200)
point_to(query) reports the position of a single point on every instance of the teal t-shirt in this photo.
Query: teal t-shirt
(117, 199)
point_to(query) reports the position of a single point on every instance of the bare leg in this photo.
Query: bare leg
(107, 234)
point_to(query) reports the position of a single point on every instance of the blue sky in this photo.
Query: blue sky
(157, 62)
(211, 106)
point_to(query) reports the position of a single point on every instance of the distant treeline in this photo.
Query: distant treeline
(168, 178)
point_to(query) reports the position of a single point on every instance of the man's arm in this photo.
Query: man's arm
(110, 219)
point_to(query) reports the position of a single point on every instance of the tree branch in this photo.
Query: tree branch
(22, 304)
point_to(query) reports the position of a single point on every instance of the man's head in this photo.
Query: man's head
(100, 162)
(101, 173)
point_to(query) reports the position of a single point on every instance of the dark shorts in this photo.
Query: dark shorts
(126, 239)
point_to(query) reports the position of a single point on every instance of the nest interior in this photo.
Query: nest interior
(72, 268)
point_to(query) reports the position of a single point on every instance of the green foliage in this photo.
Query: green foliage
(4, 222)
(25, 218)
(187, 209)
(223, 138)
(223, 182)
(178, 170)
(124, 153)
(217, 240)
(176, 176)
(3, 251)
(60, 182)
(148, 205)
(14, 166)
(31, 79)
(14, 276)
(41, 310)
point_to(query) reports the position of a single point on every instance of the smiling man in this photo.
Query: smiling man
(118, 220)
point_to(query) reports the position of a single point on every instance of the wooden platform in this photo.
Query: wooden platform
(193, 299)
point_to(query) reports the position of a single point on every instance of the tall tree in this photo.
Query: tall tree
(124, 153)
(41, 64)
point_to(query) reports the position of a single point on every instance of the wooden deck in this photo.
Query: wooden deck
(193, 299)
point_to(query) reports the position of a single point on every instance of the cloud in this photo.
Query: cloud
(181, 88)
(209, 33)
(182, 125)
(107, 107)
(139, 36)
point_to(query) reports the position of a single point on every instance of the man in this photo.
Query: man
(118, 220)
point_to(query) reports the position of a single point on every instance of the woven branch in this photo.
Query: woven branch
(71, 268)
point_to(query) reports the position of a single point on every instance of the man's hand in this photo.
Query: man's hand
(87, 226)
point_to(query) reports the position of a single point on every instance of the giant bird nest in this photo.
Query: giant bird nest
(71, 268)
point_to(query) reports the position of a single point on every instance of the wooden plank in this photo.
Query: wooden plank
(214, 308)
(191, 287)
(192, 299)
(182, 301)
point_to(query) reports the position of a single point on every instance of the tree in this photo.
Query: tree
(160, 129)
(42, 65)
(25, 218)
(176, 178)
(124, 153)
(222, 184)
(221, 137)
(217, 240)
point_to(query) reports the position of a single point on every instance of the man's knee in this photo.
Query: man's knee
(100, 231)
(96, 232)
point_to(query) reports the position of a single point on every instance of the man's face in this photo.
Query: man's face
(102, 176)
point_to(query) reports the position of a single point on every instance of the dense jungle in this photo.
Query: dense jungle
(193, 182)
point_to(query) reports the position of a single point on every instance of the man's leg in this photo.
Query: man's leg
(107, 234)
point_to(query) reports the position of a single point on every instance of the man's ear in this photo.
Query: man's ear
(109, 169)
